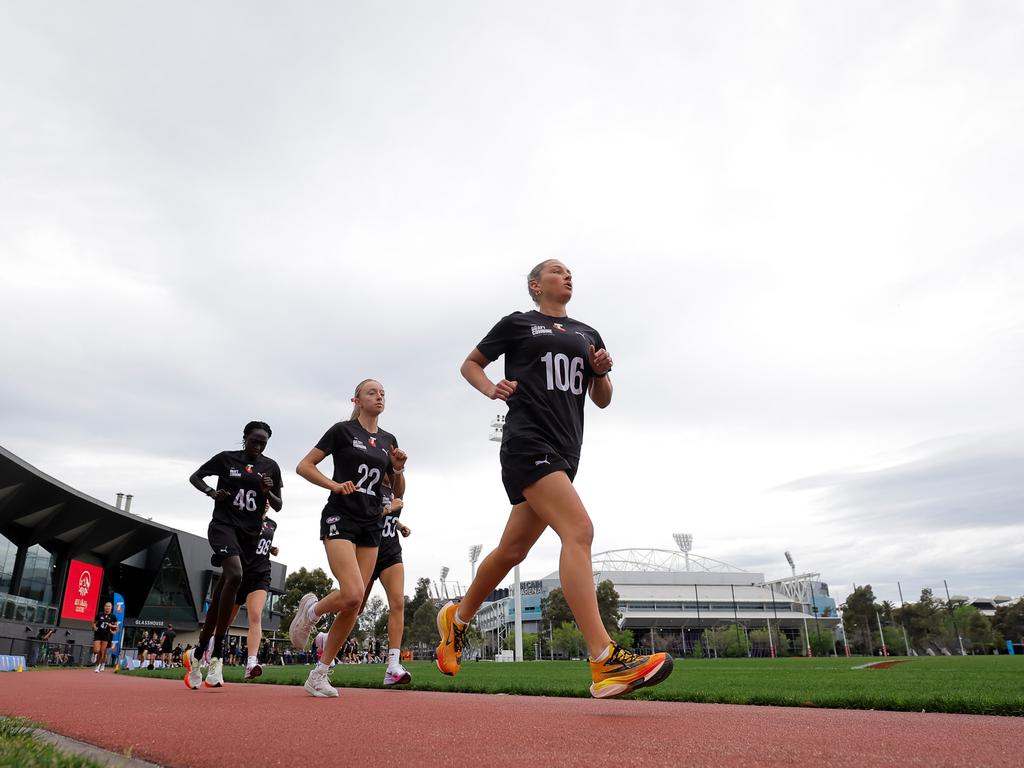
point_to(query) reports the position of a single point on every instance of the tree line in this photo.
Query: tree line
(930, 625)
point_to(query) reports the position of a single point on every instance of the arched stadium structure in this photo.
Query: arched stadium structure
(668, 599)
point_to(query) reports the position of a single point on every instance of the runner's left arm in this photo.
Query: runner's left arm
(398, 459)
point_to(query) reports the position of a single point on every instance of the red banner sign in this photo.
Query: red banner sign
(82, 592)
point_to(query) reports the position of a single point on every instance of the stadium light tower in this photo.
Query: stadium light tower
(497, 428)
(805, 595)
(474, 555)
(685, 543)
(444, 575)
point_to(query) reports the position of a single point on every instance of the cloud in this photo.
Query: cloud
(796, 227)
(963, 482)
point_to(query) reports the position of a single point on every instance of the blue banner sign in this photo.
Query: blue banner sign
(115, 644)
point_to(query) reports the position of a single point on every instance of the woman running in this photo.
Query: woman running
(246, 482)
(252, 593)
(551, 363)
(142, 648)
(351, 523)
(167, 645)
(153, 651)
(391, 572)
(103, 630)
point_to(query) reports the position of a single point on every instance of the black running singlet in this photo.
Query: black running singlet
(549, 357)
(244, 508)
(363, 459)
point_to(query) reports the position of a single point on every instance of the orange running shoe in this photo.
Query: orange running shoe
(623, 672)
(449, 650)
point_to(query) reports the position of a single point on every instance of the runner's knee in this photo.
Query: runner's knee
(512, 553)
(231, 571)
(349, 601)
(580, 534)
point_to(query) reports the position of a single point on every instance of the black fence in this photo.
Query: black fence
(46, 653)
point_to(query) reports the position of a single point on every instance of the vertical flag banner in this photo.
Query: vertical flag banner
(82, 591)
(115, 644)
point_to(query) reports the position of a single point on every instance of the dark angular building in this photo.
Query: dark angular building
(62, 553)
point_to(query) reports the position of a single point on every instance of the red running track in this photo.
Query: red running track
(268, 725)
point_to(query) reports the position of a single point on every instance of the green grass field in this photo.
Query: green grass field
(19, 748)
(991, 685)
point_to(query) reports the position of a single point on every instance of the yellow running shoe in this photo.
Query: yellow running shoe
(623, 672)
(449, 650)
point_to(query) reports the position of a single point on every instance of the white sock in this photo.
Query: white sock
(322, 668)
(604, 655)
(394, 657)
(459, 620)
(251, 662)
(94, 658)
(311, 613)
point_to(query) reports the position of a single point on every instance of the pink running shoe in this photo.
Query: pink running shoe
(398, 676)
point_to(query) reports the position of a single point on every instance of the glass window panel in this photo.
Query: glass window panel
(8, 554)
(39, 576)
(170, 599)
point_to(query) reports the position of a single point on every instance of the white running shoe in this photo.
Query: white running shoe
(319, 684)
(301, 625)
(193, 675)
(396, 676)
(253, 672)
(215, 675)
(97, 668)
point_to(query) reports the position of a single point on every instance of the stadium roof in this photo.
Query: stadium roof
(658, 560)
(38, 509)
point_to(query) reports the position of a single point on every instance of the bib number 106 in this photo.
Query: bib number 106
(564, 374)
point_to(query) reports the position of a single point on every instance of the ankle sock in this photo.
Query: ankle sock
(251, 662)
(605, 654)
(459, 619)
(322, 668)
(311, 613)
(394, 658)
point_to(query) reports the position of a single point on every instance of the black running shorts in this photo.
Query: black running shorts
(383, 563)
(362, 533)
(524, 462)
(227, 541)
(252, 581)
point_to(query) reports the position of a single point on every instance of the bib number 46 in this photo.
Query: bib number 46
(246, 501)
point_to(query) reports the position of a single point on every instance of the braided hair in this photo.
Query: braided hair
(253, 425)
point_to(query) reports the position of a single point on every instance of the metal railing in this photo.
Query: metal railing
(46, 653)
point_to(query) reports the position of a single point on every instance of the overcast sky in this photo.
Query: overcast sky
(797, 226)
